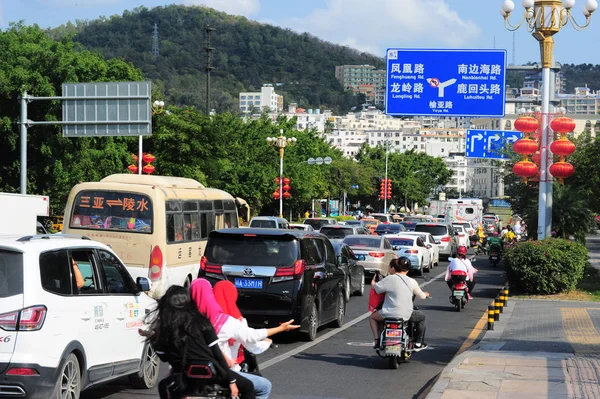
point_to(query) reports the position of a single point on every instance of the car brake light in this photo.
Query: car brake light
(446, 239)
(296, 271)
(411, 251)
(377, 254)
(209, 268)
(22, 371)
(28, 319)
(156, 264)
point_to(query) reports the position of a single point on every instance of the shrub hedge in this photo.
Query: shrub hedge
(545, 267)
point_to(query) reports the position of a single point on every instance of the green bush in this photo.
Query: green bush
(545, 267)
(343, 217)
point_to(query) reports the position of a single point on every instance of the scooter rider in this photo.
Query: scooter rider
(399, 290)
(496, 242)
(462, 263)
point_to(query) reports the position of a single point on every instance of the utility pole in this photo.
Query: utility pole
(209, 68)
(155, 41)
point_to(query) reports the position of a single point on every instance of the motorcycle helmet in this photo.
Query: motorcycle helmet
(495, 234)
(462, 250)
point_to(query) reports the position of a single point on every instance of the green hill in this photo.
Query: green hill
(247, 55)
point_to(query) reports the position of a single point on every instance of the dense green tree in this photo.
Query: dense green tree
(31, 61)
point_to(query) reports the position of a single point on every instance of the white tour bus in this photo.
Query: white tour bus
(158, 225)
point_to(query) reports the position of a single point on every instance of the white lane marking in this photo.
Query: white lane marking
(328, 335)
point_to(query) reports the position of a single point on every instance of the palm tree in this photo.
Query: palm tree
(571, 214)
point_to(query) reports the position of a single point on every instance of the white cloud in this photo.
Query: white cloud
(235, 7)
(373, 25)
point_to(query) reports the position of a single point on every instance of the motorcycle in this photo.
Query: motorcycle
(197, 382)
(460, 293)
(395, 341)
(495, 255)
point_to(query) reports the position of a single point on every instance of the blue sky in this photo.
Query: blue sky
(368, 25)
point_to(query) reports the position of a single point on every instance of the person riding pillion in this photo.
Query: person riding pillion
(399, 290)
(463, 264)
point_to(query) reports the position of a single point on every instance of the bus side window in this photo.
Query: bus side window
(187, 227)
(174, 227)
(204, 225)
(195, 227)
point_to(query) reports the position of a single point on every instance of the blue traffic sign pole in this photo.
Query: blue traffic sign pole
(446, 82)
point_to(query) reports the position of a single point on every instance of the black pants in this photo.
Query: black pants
(418, 320)
(245, 387)
(470, 285)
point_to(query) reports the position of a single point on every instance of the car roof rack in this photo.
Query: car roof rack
(52, 236)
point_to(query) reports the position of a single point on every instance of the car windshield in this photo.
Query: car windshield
(317, 223)
(381, 218)
(259, 250)
(402, 242)
(336, 232)
(366, 241)
(263, 223)
(433, 229)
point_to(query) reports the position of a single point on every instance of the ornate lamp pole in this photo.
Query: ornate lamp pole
(281, 142)
(543, 19)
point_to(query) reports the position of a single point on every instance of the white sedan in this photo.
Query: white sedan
(414, 249)
(463, 237)
(430, 243)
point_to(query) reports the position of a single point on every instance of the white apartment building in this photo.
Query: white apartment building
(462, 175)
(486, 180)
(431, 142)
(265, 100)
(349, 142)
(309, 119)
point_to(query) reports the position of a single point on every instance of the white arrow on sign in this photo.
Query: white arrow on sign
(490, 139)
(512, 138)
(477, 136)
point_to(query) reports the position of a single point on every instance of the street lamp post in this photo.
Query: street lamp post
(281, 142)
(543, 19)
(158, 107)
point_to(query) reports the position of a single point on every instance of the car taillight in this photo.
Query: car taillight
(210, 268)
(28, 319)
(377, 254)
(296, 271)
(411, 251)
(22, 371)
(156, 264)
(446, 239)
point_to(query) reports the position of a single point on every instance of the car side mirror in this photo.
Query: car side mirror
(143, 284)
(340, 259)
(429, 246)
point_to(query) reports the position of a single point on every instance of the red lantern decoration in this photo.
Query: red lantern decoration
(134, 157)
(277, 181)
(526, 124)
(563, 125)
(561, 170)
(276, 195)
(562, 147)
(148, 158)
(148, 169)
(133, 168)
(286, 180)
(286, 195)
(525, 146)
(287, 187)
(525, 169)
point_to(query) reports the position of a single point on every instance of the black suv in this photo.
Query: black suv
(280, 275)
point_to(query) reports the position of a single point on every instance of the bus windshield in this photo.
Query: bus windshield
(112, 210)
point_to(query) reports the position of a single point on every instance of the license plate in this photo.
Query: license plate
(250, 283)
(459, 293)
(494, 257)
(393, 350)
(393, 333)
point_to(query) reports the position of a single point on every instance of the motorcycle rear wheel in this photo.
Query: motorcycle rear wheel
(457, 305)
(393, 362)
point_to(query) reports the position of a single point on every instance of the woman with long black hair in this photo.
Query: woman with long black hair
(179, 331)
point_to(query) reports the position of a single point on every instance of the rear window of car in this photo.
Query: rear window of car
(317, 223)
(11, 273)
(363, 242)
(263, 223)
(336, 232)
(433, 229)
(388, 227)
(259, 250)
(458, 227)
(297, 227)
(415, 219)
(381, 218)
(403, 242)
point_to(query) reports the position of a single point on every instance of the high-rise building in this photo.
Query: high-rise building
(264, 100)
(364, 79)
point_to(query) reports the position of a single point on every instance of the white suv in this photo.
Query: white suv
(57, 339)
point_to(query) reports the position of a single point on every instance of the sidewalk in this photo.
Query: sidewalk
(539, 349)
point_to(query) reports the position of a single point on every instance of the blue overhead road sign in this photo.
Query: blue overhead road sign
(445, 82)
(489, 144)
